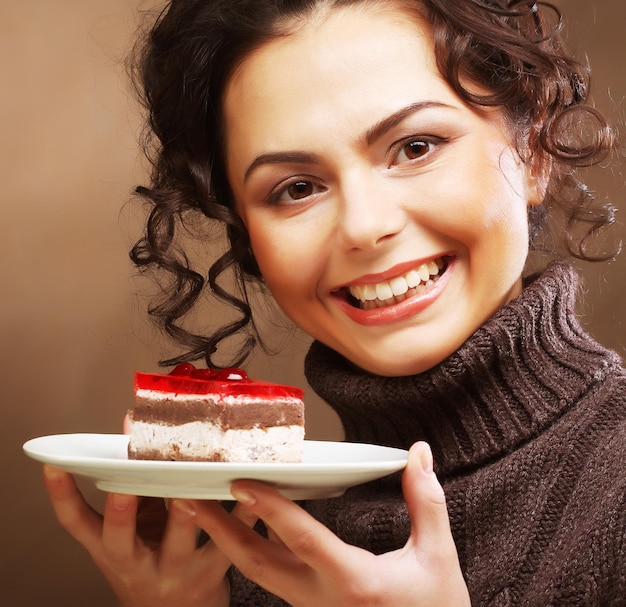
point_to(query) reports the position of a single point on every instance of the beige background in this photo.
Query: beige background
(71, 325)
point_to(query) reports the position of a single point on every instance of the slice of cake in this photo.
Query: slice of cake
(215, 416)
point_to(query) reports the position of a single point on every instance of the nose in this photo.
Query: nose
(371, 212)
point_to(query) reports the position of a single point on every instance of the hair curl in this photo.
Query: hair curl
(511, 49)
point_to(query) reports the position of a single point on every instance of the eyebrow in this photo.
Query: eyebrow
(294, 157)
(371, 135)
(380, 128)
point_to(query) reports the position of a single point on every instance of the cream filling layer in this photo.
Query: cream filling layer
(202, 440)
(400, 288)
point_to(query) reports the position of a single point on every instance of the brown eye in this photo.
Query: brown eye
(297, 190)
(415, 149)
(300, 189)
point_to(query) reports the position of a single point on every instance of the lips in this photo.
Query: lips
(395, 290)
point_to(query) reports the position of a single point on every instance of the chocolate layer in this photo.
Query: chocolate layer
(172, 454)
(233, 416)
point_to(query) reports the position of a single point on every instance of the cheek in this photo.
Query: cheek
(490, 208)
(287, 263)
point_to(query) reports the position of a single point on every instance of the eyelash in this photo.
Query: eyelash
(430, 143)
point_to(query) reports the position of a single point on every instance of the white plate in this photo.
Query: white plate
(327, 469)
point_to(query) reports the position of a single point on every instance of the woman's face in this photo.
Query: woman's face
(388, 218)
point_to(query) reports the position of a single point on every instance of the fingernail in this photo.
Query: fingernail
(426, 459)
(120, 502)
(184, 506)
(243, 497)
(53, 476)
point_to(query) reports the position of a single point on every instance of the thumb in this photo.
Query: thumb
(426, 504)
(127, 424)
(431, 539)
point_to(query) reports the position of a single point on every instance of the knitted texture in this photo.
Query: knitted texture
(527, 423)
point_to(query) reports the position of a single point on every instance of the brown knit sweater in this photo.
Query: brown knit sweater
(527, 423)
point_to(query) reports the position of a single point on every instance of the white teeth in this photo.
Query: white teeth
(369, 293)
(413, 279)
(384, 291)
(400, 288)
(424, 272)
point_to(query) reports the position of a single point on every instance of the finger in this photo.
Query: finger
(426, 503)
(119, 539)
(265, 563)
(297, 530)
(127, 425)
(244, 515)
(181, 536)
(74, 514)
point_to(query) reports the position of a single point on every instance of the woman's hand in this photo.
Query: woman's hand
(307, 565)
(148, 556)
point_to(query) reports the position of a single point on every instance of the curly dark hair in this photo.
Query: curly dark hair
(510, 48)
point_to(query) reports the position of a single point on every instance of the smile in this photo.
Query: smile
(390, 292)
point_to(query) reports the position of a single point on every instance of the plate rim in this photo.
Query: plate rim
(305, 480)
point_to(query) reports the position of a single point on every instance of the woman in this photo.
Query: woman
(382, 166)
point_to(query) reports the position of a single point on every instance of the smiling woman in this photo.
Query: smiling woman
(383, 168)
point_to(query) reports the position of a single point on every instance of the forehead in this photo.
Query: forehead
(343, 62)
(327, 33)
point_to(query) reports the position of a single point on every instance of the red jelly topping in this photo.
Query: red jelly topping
(186, 379)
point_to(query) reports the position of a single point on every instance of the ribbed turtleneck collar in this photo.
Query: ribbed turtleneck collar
(511, 380)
